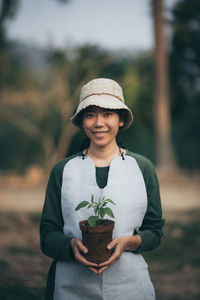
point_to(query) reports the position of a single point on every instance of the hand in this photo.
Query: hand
(120, 244)
(79, 249)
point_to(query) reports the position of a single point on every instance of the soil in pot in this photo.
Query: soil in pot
(96, 240)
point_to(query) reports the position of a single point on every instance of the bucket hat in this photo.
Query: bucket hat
(105, 93)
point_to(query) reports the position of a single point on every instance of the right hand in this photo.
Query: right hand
(79, 249)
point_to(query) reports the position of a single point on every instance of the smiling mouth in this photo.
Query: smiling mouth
(99, 133)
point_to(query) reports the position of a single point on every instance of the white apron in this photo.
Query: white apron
(128, 278)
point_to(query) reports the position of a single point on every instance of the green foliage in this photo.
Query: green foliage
(16, 151)
(8, 10)
(100, 209)
(185, 84)
(35, 116)
(37, 121)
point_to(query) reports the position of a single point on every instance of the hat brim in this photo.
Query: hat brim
(103, 101)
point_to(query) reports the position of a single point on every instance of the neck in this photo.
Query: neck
(102, 156)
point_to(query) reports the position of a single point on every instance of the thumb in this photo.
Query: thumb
(112, 244)
(82, 248)
(79, 245)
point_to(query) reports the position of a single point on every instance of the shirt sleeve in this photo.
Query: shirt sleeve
(53, 241)
(151, 228)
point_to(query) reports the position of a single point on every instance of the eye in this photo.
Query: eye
(108, 114)
(89, 115)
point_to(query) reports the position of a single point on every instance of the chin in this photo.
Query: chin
(100, 143)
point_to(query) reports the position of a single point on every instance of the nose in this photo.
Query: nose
(99, 120)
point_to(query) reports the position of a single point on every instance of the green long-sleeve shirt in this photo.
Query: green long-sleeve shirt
(56, 244)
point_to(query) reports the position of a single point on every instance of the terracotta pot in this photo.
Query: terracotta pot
(96, 240)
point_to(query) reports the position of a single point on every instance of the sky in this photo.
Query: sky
(113, 24)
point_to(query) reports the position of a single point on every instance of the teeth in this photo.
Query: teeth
(99, 133)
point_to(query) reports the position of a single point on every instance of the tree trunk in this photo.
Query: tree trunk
(164, 152)
(64, 143)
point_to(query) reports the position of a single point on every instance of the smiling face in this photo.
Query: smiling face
(101, 125)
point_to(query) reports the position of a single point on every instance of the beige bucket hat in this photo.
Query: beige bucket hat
(105, 93)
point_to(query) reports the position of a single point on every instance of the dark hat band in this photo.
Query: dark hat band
(99, 94)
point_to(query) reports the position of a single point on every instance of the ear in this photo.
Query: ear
(121, 123)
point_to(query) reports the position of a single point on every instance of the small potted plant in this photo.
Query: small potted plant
(97, 231)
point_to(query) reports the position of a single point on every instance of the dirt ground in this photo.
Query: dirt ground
(174, 274)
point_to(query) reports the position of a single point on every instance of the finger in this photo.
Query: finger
(85, 262)
(81, 247)
(105, 263)
(77, 243)
(88, 263)
(100, 270)
(81, 259)
(94, 270)
(115, 256)
(112, 244)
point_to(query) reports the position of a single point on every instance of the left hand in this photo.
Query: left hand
(119, 245)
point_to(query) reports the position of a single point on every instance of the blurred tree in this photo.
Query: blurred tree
(165, 157)
(41, 109)
(185, 81)
(87, 62)
(37, 112)
(139, 90)
(19, 96)
(8, 9)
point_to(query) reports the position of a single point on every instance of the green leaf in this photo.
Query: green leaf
(96, 207)
(108, 212)
(109, 200)
(81, 205)
(92, 220)
(102, 213)
(92, 198)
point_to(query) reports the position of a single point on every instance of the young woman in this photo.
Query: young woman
(103, 169)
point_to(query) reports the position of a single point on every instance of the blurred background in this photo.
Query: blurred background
(48, 50)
